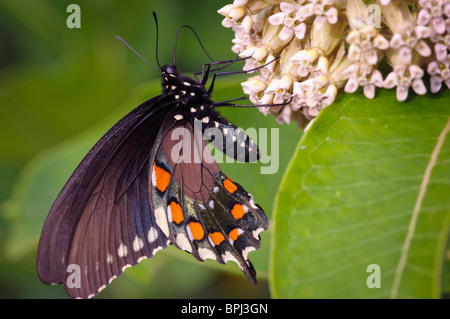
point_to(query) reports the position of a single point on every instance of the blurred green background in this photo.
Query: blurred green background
(61, 89)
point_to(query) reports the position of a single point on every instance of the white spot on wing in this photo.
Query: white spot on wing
(101, 288)
(156, 250)
(137, 243)
(190, 233)
(206, 253)
(111, 279)
(252, 202)
(178, 117)
(125, 267)
(256, 232)
(169, 213)
(183, 242)
(152, 235)
(153, 177)
(122, 250)
(141, 258)
(229, 257)
(246, 251)
(161, 220)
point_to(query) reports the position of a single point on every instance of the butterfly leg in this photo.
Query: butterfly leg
(207, 68)
(226, 103)
(211, 87)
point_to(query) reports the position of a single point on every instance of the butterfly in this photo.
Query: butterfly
(151, 181)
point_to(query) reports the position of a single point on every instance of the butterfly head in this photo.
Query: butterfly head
(169, 71)
(188, 92)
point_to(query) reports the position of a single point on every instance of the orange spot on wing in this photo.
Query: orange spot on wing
(238, 211)
(229, 186)
(161, 178)
(217, 238)
(234, 234)
(196, 230)
(177, 212)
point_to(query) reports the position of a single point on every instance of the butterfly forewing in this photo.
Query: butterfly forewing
(103, 205)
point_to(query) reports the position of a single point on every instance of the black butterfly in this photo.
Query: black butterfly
(139, 190)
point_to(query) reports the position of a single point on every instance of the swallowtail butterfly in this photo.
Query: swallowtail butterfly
(139, 190)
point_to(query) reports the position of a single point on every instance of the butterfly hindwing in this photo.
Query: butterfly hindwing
(203, 211)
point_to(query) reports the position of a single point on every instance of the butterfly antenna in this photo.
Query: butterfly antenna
(129, 47)
(198, 39)
(157, 39)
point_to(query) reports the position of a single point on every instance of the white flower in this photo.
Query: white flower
(317, 93)
(253, 86)
(432, 14)
(285, 116)
(232, 15)
(307, 61)
(240, 3)
(259, 56)
(242, 41)
(281, 89)
(411, 38)
(439, 72)
(403, 77)
(297, 50)
(441, 43)
(323, 10)
(291, 20)
(363, 75)
(364, 45)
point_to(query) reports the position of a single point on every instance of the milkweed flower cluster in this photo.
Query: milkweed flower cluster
(307, 51)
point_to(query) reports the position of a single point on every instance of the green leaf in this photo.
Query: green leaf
(446, 274)
(368, 184)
